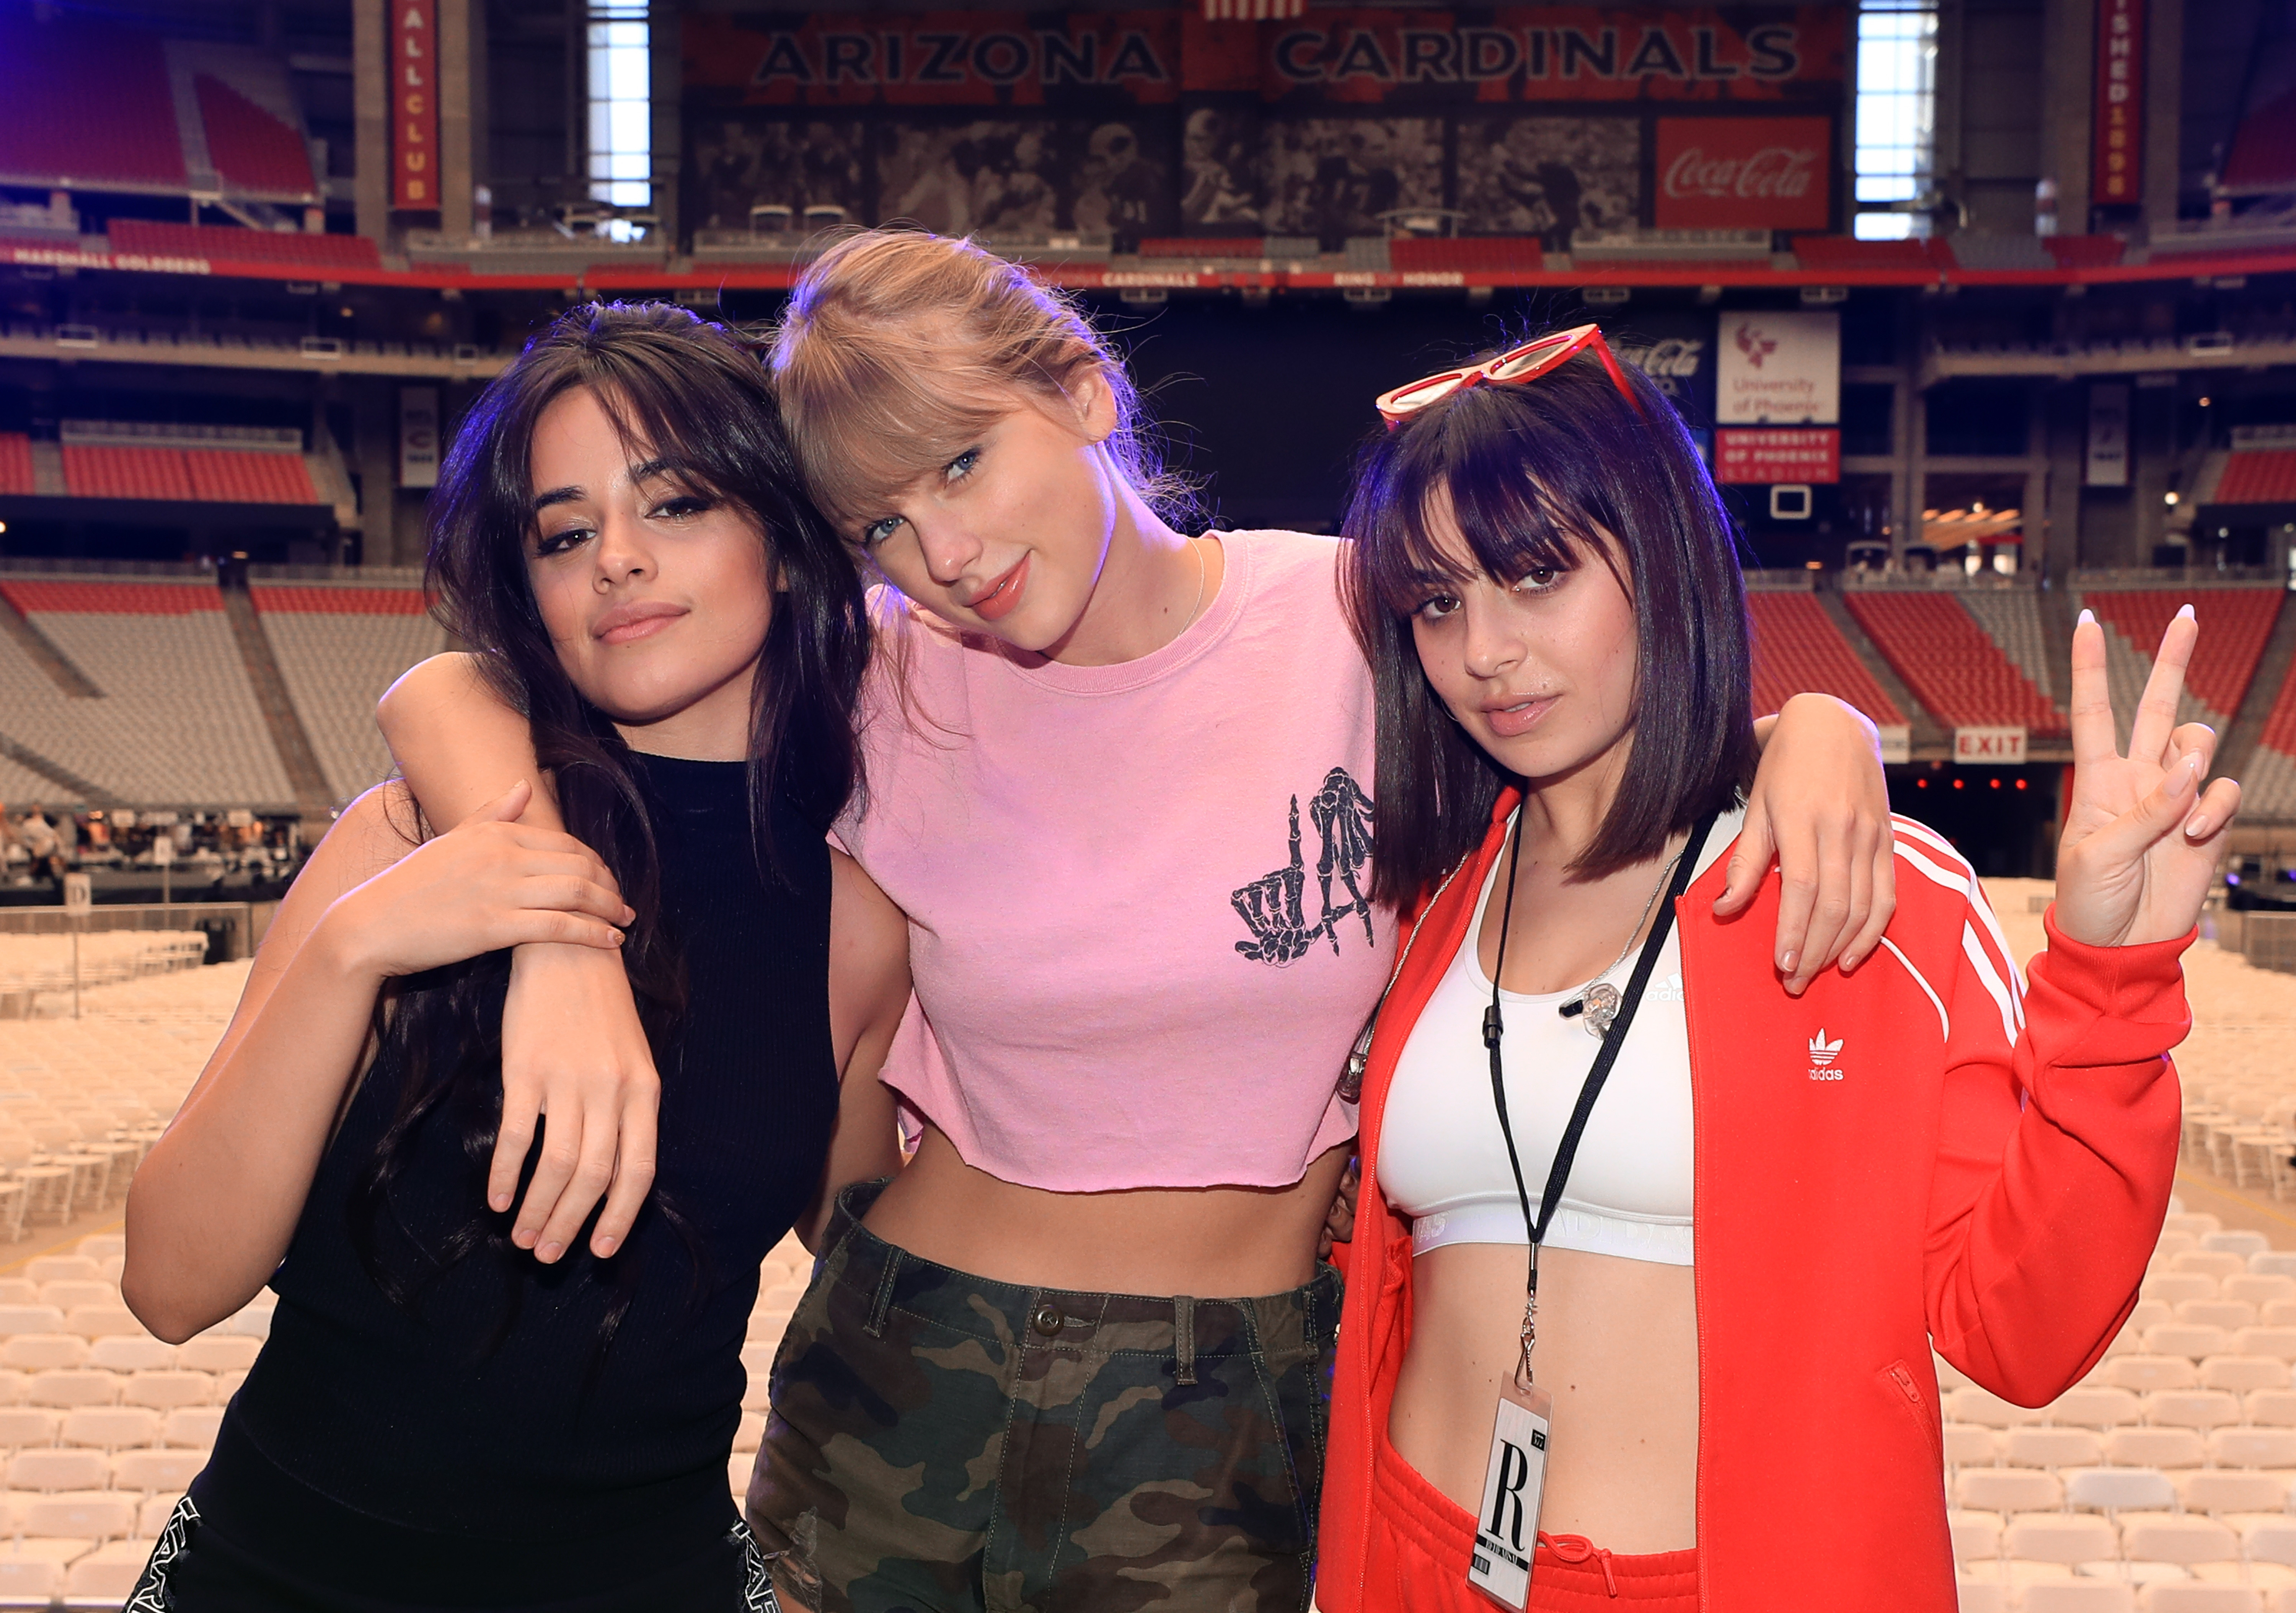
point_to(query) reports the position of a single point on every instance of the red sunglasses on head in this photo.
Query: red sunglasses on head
(1515, 366)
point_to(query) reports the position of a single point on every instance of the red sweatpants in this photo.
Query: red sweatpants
(1415, 1560)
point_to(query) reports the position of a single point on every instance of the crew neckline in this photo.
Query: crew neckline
(1220, 614)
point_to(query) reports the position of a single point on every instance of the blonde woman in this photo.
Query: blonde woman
(1074, 1355)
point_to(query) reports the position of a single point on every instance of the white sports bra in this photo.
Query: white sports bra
(1443, 1162)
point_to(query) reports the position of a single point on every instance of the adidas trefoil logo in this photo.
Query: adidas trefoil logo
(1821, 1055)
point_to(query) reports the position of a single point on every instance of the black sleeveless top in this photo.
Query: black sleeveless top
(489, 1438)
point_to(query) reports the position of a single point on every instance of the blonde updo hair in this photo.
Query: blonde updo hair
(899, 347)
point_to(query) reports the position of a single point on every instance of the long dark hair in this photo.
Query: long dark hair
(1530, 473)
(696, 398)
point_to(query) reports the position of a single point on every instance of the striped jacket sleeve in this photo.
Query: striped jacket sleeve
(2057, 1130)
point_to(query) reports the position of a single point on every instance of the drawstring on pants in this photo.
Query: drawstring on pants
(1578, 1549)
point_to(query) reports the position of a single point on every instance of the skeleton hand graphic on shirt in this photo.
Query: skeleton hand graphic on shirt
(1274, 905)
(1271, 905)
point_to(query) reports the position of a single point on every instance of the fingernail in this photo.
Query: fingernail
(2086, 618)
(522, 1239)
(549, 1252)
(629, 912)
(617, 934)
(1786, 963)
(2186, 613)
(605, 1246)
(2197, 826)
(1849, 964)
(498, 1203)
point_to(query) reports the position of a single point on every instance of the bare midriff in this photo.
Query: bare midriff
(1213, 1243)
(1618, 1349)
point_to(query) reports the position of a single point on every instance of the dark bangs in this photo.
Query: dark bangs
(1531, 474)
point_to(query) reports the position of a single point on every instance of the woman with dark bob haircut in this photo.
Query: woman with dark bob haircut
(441, 1416)
(1649, 1254)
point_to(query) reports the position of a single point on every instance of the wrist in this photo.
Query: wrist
(342, 946)
(535, 958)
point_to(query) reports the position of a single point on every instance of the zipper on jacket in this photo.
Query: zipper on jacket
(1902, 1376)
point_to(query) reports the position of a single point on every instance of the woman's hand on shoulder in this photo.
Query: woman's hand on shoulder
(486, 884)
(1819, 808)
(2142, 836)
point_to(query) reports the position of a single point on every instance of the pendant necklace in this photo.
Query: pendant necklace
(1598, 999)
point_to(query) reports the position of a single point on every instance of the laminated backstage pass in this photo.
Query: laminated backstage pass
(1506, 1528)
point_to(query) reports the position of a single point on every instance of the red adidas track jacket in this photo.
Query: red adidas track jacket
(1980, 1164)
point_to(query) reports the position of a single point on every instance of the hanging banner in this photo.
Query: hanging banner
(2116, 170)
(1547, 52)
(418, 436)
(2108, 435)
(1081, 61)
(1781, 369)
(1743, 173)
(414, 105)
(1764, 458)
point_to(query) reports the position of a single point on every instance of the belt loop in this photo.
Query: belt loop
(883, 1302)
(1183, 1337)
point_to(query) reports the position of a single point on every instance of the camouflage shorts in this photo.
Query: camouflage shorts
(939, 1444)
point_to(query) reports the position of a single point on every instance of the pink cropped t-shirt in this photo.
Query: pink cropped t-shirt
(1139, 895)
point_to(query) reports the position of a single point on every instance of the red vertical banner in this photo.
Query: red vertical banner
(414, 105)
(2118, 176)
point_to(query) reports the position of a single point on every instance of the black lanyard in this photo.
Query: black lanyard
(1615, 1038)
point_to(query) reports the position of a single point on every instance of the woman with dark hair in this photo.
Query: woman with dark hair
(1692, 1369)
(438, 1418)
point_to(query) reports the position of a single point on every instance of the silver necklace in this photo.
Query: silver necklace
(1598, 1000)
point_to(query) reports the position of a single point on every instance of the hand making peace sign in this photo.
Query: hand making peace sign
(2142, 839)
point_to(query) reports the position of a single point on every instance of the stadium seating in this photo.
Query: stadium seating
(2235, 622)
(2268, 781)
(87, 100)
(1798, 649)
(177, 722)
(106, 471)
(1957, 668)
(240, 476)
(1470, 255)
(210, 475)
(339, 649)
(252, 151)
(16, 463)
(280, 248)
(2258, 476)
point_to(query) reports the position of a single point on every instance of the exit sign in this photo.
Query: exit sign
(1989, 747)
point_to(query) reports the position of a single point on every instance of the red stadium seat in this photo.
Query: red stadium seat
(2258, 476)
(280, 248)
(252, 149)
(236, 476)
(105, 470)
(1953, 665)
(15, 463)
(1798, 650)
(86, 101)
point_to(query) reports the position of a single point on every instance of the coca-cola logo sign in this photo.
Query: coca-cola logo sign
(1743, 173)
(1774, 170)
